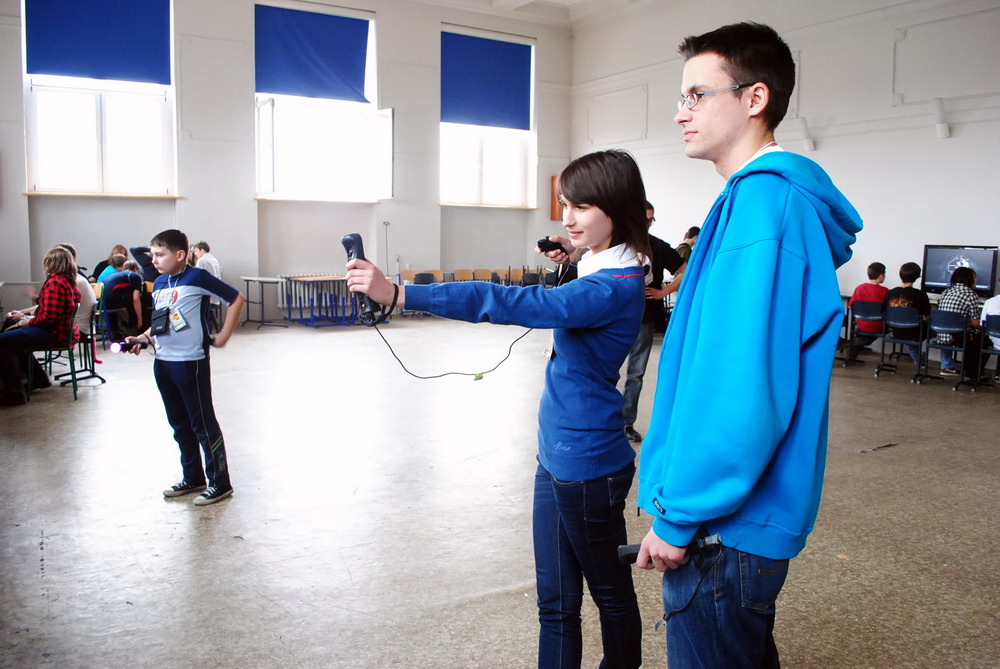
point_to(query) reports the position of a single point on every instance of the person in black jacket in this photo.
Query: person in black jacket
(665, 259)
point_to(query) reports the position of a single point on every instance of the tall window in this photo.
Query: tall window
(320, 134)
(98, 97)
(488, 146)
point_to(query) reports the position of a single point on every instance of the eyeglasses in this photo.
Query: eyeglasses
(691, 100)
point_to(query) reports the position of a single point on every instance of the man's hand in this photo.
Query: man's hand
(655, 553)
(132, 343)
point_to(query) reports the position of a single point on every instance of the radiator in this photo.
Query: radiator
(301, 293)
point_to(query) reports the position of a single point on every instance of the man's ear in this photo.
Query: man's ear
(758, 98)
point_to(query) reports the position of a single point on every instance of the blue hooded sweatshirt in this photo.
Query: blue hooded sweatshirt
(737, 441)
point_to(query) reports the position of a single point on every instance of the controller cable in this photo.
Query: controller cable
(384, 315)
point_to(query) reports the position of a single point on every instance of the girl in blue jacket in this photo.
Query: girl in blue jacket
(585, 463)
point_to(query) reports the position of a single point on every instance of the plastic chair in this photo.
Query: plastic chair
(864, 312)
(950, 323)
(407, 275)
(482, 274)
(87, 348)
(991, 330)
(530, 279)
(464, 275)
(901, 318)
(49, 357)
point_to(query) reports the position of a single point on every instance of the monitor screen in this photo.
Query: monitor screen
(941, 261)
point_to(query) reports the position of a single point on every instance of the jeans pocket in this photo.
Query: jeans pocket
(761, 580)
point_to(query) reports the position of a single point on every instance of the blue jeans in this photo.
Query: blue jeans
(638, 358)
(15, 348)
(186, 389)
(720, 610)
(578, 526)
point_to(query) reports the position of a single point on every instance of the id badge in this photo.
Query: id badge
(177, 320)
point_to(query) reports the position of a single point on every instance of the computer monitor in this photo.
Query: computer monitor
(940, 261)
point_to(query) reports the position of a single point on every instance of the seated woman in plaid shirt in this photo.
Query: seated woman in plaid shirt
(961, 297)
(49, 328)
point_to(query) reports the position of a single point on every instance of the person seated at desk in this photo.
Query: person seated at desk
(123, 291)
(49, 328)
(116, 250)
(905, 295)
(870, 291)
(114, 265)
(961, 297)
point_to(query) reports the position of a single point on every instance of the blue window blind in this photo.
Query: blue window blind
(485, 82)
(310, 54)
(127, 40)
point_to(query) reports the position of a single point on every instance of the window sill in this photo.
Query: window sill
(108, 195)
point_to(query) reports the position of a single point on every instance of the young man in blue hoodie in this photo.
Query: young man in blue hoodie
(732, 465)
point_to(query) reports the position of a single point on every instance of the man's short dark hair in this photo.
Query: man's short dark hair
(692, 232)
(875, 270)
(909, 272)
(175, 240)
(203, 245)
(751, 52)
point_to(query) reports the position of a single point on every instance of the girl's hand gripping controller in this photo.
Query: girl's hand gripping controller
(356, 249)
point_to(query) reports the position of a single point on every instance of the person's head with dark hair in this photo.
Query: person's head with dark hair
(59, 261)
(876, 270)
(909, 272)
(117, 260)
(203, 246)
(130, 266)
(609, 181)
(650, 213)
(735, 89)
(169, 250)
(965, 276)
(751, 53)
(70, 248)
(691, 236)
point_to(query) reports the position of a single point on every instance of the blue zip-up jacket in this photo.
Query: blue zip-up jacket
(737, 441)
(596, 319)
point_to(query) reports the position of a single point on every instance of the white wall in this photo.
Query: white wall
(213, 71)
(911, 187)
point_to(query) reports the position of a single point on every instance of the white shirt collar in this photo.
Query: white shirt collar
(760, 152)
(612, 258)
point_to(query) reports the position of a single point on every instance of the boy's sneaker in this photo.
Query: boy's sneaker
(949, 371)
(212, 495)
(183, 488)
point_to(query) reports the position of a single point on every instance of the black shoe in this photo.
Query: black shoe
(632, 435)
(183, 488)
(212, 495)
(949, 371)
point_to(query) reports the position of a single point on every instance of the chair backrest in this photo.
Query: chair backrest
(515, 274)
(436, 273)
(949, 322)
(482, 275)
(407, 275)
(503, 275)
(902, 317)
(98, 290)
(992, 325)
(423, 278)
(463, 275)
(529, 279)
(867, 311)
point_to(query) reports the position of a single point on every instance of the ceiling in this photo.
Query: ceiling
(564, 12)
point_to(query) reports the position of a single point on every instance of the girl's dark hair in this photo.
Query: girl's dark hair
(610, 181)
(750, 52)
(965, 276)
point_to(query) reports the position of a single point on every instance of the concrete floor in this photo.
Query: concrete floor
(383, 521)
